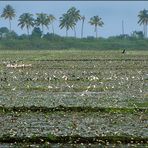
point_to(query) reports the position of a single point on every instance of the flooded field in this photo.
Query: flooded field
(73, 99)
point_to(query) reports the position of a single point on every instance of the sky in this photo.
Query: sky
(111, 12)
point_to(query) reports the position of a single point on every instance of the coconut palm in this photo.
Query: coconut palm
(96, 21)
(26, 20)
(143, 20)
(83, 19)
(75, 16)
(51, 19)
(8, 13)
(42, 20)
(66, 21)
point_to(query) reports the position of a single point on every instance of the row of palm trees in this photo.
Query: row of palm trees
(42, 20)
(143, 20)
(68, 20)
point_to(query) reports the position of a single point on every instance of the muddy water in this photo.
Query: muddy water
(92, 83)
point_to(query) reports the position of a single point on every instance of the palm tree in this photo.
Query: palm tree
(143, 20)
(75, 15)
(96, 21)
(67, 22)
(83, 19)
(8, 13)
(26, 20)
(51, 20)
(42, 19)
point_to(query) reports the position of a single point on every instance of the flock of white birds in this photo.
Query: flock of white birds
(18, 65)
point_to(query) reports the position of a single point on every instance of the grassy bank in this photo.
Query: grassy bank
(74, 43)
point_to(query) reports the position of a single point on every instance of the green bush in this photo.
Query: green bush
(56, 42)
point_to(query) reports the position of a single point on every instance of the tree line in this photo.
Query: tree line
(67, 21)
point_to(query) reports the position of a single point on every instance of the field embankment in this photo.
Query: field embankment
(60, 43)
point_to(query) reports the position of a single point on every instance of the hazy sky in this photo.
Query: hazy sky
(111, 12)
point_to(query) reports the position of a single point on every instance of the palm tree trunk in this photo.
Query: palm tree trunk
(74, 31)
(146, 30)
(143, 31)
(66, 33)
(82, 28)
(52, 28)
(96, 32)
(42, 30)
(28, 31)
(9, 25)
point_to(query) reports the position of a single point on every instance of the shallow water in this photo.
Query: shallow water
(116, 83)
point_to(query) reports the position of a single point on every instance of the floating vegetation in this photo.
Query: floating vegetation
(72, 109)
(79, 99)
(75, 139)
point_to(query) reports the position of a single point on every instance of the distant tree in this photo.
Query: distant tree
(75, 16)
(66, 21)
(90, 37)
(8, 13)
(42, 20)
(3, 32)
(137, 34)
(97, 22)
(51, 36)
(82, 28)
(51, 19)
(23, 36)
(12, 35)
(36, 32)
(143, 20)
(123, 36)
(26, 20)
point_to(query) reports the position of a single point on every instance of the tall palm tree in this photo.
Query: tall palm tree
(67, 22)
(96, 21)
(8, 13)
(83, 19)
(75, 16)
(143, 20)
(51, 20)
(42, 20)
(26, 20)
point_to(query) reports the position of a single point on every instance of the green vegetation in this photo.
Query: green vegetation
(70, 19)
(26, 20)
(42, 21)
(73, 97)
(8, 13)
(74, 91)
(86, 109)
(74, 139)
(55, 42)
(97, 22)
(38, 40)
(143, 20)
